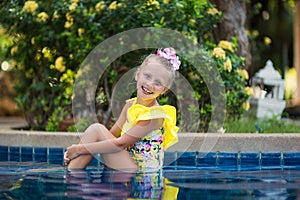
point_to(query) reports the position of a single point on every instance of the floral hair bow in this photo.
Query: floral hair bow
(170, 55)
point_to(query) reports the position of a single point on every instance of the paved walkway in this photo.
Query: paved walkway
(9, 123)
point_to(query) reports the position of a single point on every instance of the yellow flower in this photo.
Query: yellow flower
(100, 6)
(267, 40)
(120, 5)
(30, 6)
(2, 30)
(153, 3)
(113, 5)
(75, 1)
(243, 73)
(73, 6)
(246, 106)
(42, 17)
(255, 33)
(38, 56)
(219, 53)
(193, 21)
(60, 64)
(69, 17)
(86, 11)
(226, 45)
(68, 24)
(69, 21)
(55, 15)
(228, 65)
(195, 41)
(80, 32)
(290, 84)
(13, 50)
(32, 41)
(67, 77)
(212, 11)
(165, 2)
(249, 91)
(47, 53)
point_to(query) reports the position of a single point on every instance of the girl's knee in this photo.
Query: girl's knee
(97, 126)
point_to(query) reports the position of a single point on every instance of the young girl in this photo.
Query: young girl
(143, 130)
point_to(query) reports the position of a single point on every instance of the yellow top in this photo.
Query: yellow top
(138, 112)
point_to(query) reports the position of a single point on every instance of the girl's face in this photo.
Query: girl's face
(152, 81)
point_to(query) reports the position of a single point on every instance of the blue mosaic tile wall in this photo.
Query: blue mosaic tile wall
(237, 160)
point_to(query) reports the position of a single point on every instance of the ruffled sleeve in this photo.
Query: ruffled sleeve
(139, 112)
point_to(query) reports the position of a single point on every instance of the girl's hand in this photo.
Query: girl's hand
(72, 152)
(66, 159)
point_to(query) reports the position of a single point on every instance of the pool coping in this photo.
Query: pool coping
(188, 142)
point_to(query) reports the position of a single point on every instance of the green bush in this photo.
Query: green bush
(51, 38)
(253, 125)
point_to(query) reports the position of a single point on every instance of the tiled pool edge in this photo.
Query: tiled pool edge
(189, 142)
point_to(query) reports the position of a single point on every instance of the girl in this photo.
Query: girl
(143, 130)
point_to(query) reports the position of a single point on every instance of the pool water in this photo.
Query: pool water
(188, 176)
(49, 181)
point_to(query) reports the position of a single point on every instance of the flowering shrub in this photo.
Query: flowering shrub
(51, 38)
(234, 77)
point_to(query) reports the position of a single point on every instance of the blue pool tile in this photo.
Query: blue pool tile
(14, 153)
(221, 160)
(270, 159)
(170, 158)
(249, 160)
(3, 153)
(40, 154)
(291, 159)
(55, 156)
(207, 159)
(186, 159)
(26, 154)
(228, 160)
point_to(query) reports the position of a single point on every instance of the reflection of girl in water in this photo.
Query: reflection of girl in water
(116, 184)
(143, 130)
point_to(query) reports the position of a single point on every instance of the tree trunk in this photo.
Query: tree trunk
(296, 98)
(232, 24)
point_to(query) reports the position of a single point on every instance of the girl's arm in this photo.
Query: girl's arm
(140, 130)
(117, 127)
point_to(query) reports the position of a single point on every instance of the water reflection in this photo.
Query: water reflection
(48, 182)
(113, 183)
(92, 183)
(261, 184)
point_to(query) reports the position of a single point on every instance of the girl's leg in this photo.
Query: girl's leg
(97, 132)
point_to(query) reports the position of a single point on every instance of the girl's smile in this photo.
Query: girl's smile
(146, 90)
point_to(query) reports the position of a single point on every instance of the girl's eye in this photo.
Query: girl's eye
(147, 76)
(158, 83)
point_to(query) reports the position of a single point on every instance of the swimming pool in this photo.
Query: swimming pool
(38, 173)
